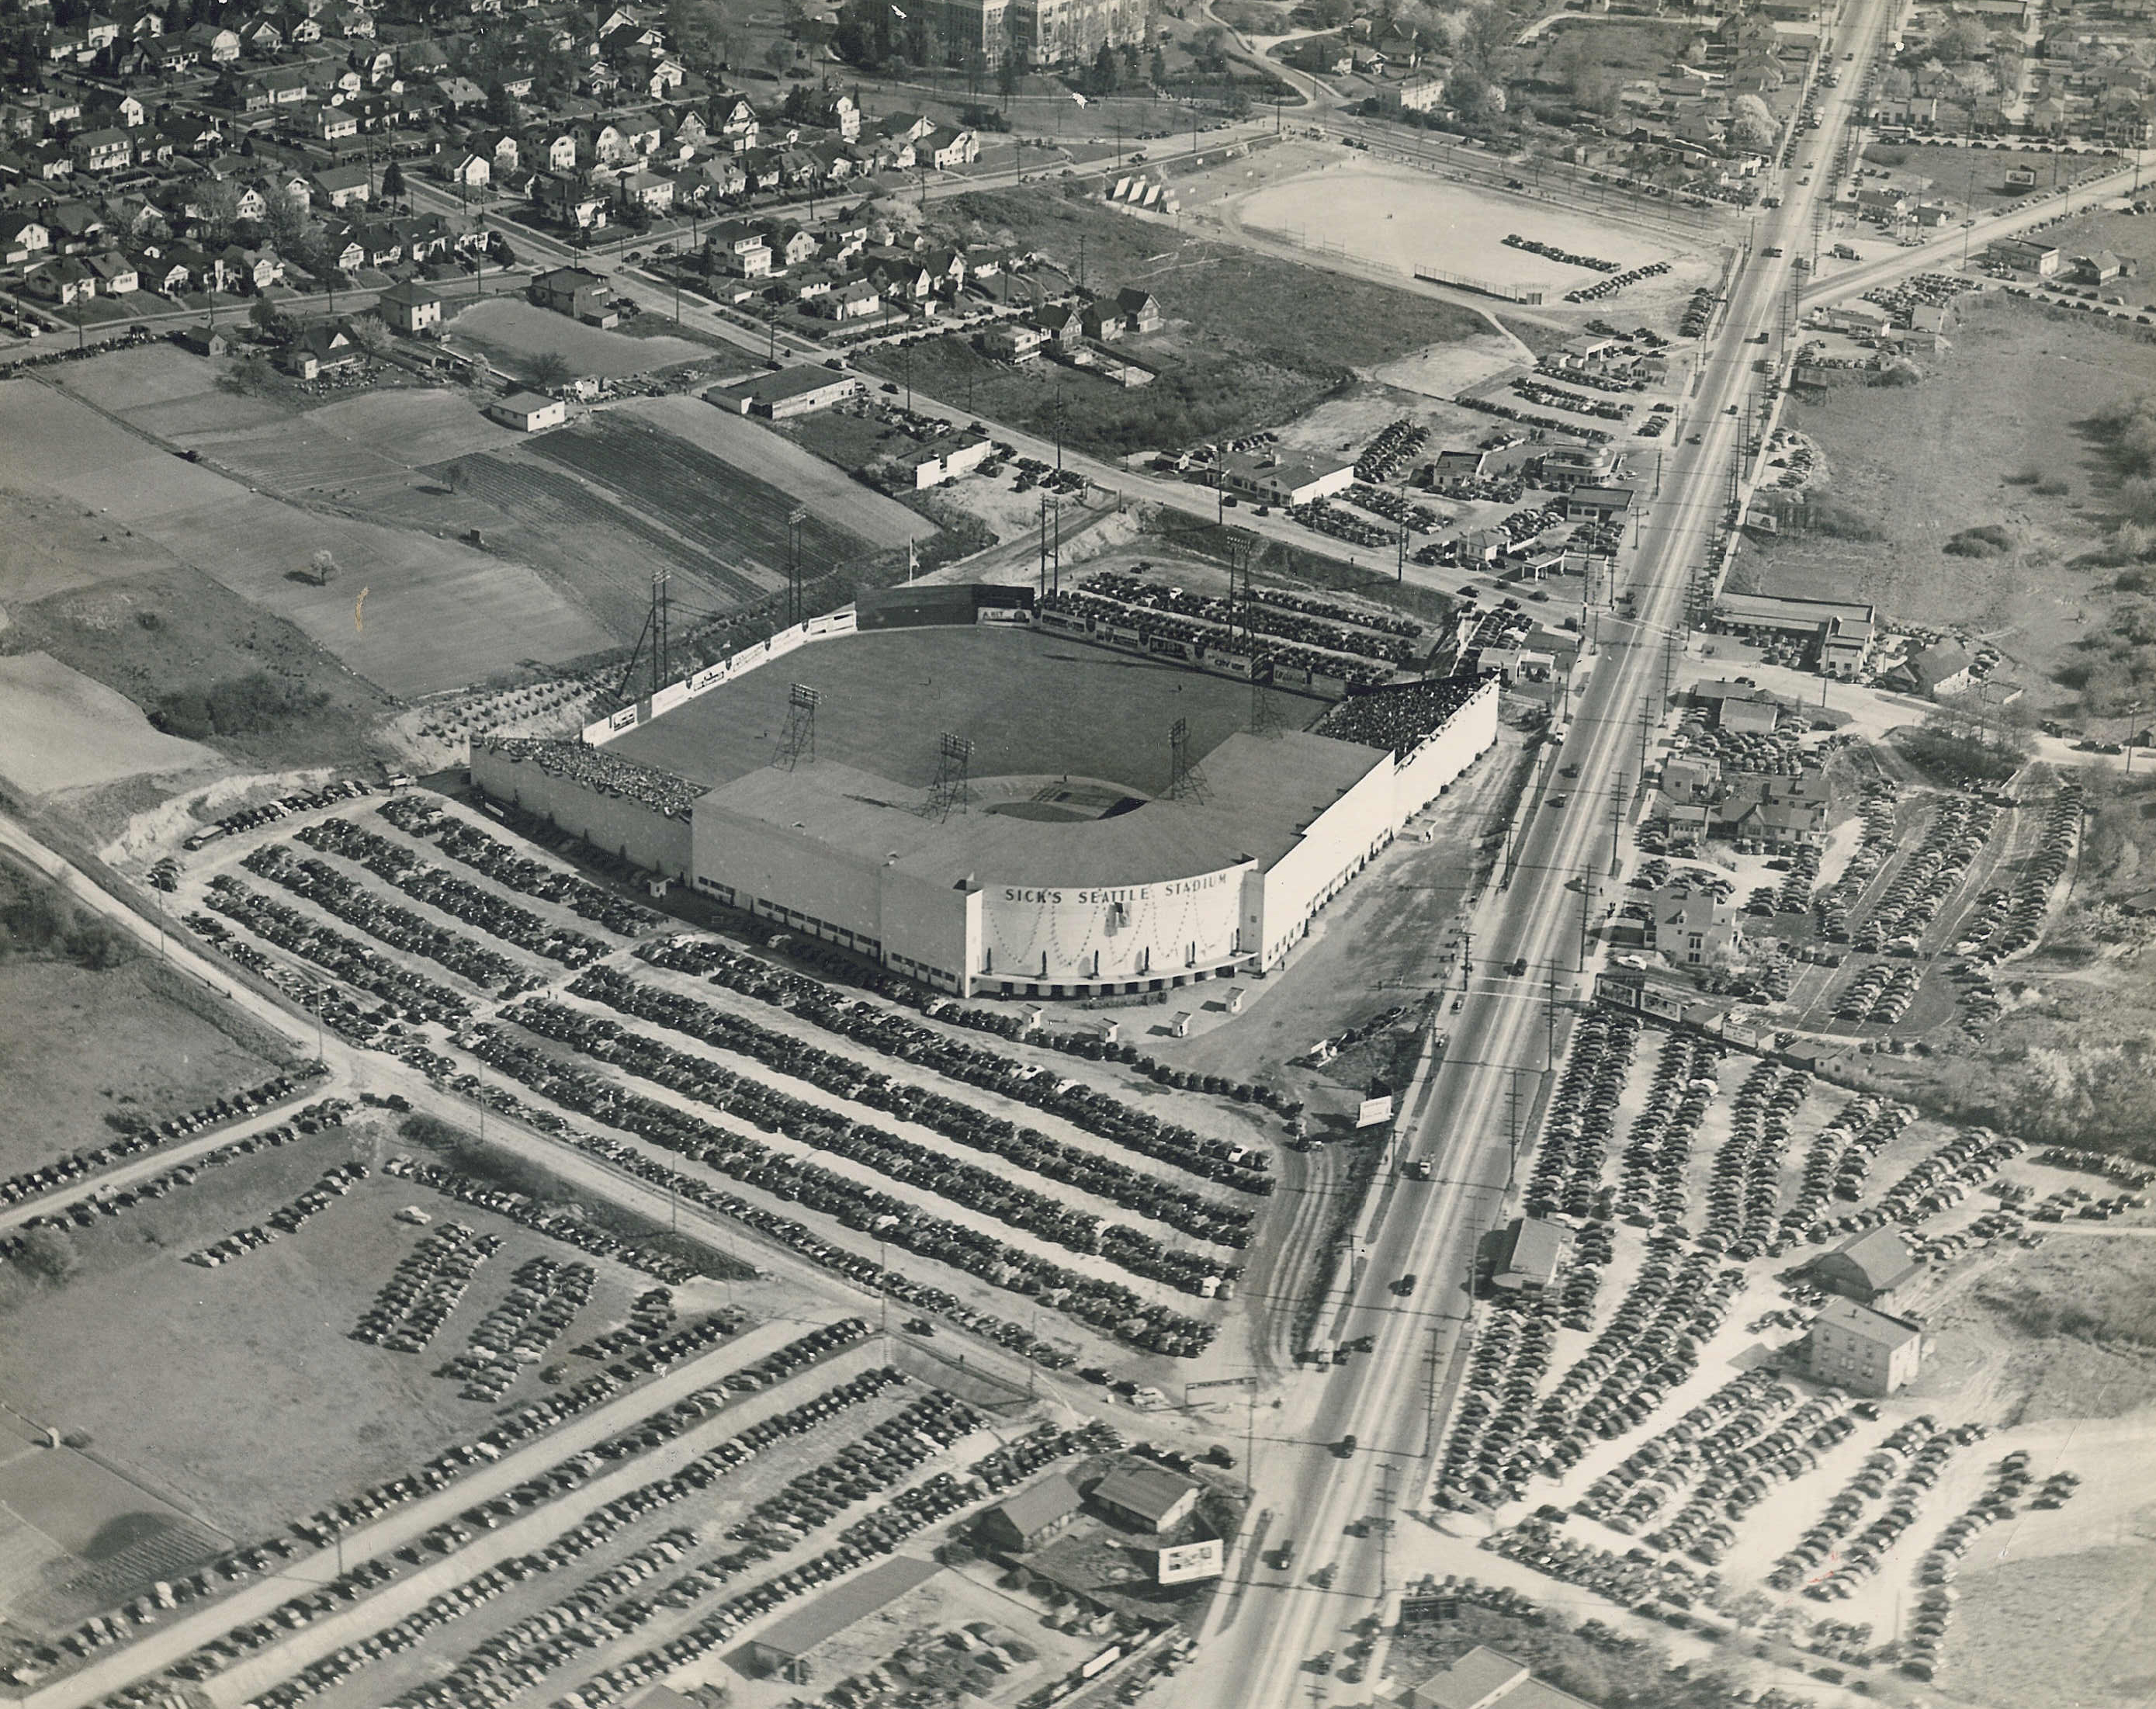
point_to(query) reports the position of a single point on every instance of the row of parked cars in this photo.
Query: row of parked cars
(286, 1220)
(2033, 883)
(1839, 1162)
(1882, 1467)
(337, 893)
(318, 1532)
(1912, 898)
(416, 998)
(428, 1282)
(492, 913)
(1109, 1306)
(84, 1212)
(1706, 1436)
(420, 816)
(597, 1529)
(139, 1142)
(1743, 1195)
(544, 1297)
(267, 811)
(1654, 1168)
(857, 1269)
(879, 1533)
(1026, 1150)
(990, 1192)
(1581, 1125)
(571, 1230)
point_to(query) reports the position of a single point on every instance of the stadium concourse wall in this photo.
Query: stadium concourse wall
(606, 816)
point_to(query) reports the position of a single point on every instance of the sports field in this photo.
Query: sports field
(1032, 705)
(1402, 218)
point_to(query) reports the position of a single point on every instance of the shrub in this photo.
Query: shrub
(1990, 541)
(48, 1252)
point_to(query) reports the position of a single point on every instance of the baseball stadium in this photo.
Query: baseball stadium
(990, 806)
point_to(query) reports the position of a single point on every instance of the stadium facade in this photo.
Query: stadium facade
(1028, 883)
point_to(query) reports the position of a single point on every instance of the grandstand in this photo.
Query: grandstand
(1082, 852)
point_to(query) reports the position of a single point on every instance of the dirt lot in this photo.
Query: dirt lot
(435, 615)
(1975, 179)
(59, 730)
(157, 1054)
(1997, 433)
(1238, 350)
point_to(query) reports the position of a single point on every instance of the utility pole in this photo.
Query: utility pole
(1549, 1050)
(1617, 828)
(1586, 892)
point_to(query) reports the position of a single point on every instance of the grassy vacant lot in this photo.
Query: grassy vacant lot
(1976, 178)
(2061, 1631)
(172, 629)
(2001, 433)
(86, 1051)
(1242, 348)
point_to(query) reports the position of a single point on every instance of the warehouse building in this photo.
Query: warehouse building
(788, 1649)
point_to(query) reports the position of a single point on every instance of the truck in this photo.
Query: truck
(1842, 251)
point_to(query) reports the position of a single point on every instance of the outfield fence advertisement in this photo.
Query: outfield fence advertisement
(830, 625)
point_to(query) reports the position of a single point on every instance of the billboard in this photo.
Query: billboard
(1186, 1563)
(1371, 1111)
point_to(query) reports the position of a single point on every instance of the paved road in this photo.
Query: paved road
(1382, 1398)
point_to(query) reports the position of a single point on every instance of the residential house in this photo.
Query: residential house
(1150, 1498)
(162, 273)
(409, 307)
(560, 152)
(216, 44)
(1943, 668)
(344, 186)
(573, 291)
(260, 36)
(1141, 310)
(322, 349)
(1031, 1518)
(735, 249)
(569, 201)
(837, 112)
(458, 93)
(857, 300)
(649, 191)
(467, 170)
(1853, 1347)
(328, 124)
(529, 412)
(64, 280)
(1691, 924)
(22, 238)
(948, 150)
(108, 151)
(1874, 1267)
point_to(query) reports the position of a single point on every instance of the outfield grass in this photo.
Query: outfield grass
(1251, 341)
(1031, 704)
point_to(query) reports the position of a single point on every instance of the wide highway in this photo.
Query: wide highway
(1262, 1637)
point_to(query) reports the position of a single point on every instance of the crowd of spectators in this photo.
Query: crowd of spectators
(1399, 718)
(608, 773)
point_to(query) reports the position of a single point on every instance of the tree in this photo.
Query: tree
(1106, 72)
(322, 567)
(392, 182)
(701, 31)
(501, 108)
(218, 201)
(369, 334)
(1962, 40)
(284, 218)
(779, 55)
(1007, 76)
(1751, 126)
(548, 369)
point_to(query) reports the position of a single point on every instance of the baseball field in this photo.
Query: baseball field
(1031, 703)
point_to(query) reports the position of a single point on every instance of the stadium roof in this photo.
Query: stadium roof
(1257, 796)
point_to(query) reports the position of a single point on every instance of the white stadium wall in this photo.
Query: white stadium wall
(1448, 752)
(1071, 935)
(769, 870)
(1335, 846)
(616, 823)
